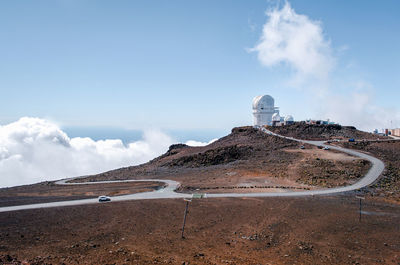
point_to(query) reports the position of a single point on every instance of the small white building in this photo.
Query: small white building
(263, 109)
(288, 120)
(276, 119)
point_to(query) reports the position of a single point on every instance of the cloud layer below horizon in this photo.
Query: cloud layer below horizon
(34, 150)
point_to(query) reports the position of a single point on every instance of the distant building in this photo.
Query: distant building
(263, 109)
(324, 122)
(276, 119)
(395, 132)
(288, 120)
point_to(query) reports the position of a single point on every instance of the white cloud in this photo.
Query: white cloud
(357, 108)
(33, 150)
(197, 143)
(296, 40)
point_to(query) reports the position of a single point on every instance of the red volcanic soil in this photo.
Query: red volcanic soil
(313, 230)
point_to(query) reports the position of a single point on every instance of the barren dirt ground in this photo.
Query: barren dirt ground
(48, 192)
(314, 230)
(312, 168)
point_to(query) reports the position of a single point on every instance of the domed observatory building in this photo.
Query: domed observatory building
(263, 109)
(276, 119)
(289, 120)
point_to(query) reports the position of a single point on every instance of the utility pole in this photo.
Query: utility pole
(184, 216)
(360, 208)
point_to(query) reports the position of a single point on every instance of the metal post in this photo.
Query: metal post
(360, 206)
(184, 217)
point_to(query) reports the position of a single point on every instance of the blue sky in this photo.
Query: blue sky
(185, 65)
(115, 83)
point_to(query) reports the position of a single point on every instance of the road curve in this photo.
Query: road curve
(374, 172)
(168, 192)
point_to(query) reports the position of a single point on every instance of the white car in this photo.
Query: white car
(326, 148)
(104, 198)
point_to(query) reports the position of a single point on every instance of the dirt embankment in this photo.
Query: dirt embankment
(305, 131)
(388, 185)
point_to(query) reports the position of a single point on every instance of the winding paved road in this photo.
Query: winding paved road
(169, 191)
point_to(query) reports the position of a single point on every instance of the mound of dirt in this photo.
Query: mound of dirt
(305, 131)
(217, 156)
(243, 144)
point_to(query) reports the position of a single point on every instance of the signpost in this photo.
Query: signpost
(184, 216)
(198, 195)
(187, 200)
(361, 198)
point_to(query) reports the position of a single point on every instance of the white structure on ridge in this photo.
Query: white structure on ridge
(276, 117)
(289, 120)
(263, 109)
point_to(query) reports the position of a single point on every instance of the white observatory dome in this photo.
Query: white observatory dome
(263, 103)
(276, 117)
(263, 109)
(289, 118)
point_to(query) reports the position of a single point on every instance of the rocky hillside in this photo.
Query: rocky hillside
(244, 145)
(322, 132)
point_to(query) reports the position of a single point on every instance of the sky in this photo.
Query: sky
(180, 64)
(183, 71)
